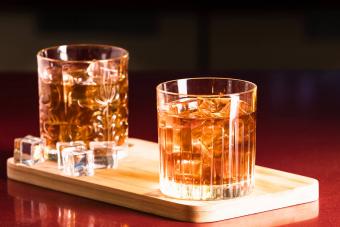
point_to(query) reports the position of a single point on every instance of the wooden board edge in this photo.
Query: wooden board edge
(197, 214)
(155, 206)
(261, 204)
(284, 173)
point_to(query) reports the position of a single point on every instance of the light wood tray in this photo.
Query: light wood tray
(135, 185)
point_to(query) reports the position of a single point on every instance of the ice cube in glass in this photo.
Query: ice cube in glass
(207, 137)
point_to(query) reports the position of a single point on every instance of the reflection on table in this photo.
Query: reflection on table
(36, 206)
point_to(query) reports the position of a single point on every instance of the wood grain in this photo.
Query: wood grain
(135, 185)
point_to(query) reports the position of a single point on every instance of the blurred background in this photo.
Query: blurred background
(291, 51)
(178, 36)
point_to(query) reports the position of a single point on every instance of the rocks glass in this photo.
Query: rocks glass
(207, 137)
(83, 94)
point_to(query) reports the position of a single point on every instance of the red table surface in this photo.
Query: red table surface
(298, 130)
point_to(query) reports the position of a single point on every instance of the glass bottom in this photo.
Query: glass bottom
(206, 192)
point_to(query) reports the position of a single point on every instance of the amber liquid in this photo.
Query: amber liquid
(73, 110)
(207, 148)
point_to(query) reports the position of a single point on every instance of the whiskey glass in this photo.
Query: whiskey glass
(83, 94)
(207, 137)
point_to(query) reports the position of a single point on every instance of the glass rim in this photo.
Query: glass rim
(125, 53)
(160, 90)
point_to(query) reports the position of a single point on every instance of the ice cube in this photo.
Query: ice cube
(103, 72)
(107, 153)
(182, 139)
(184, 106)
(245, 108)
(211, 135)
(211, 106)
(76, 74)
(78, 162)
(51, 73)
(61, 146)
(28, 150)
(93, 69)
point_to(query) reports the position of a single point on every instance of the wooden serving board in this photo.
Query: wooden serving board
(135, 185)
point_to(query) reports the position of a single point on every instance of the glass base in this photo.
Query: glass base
(206, 192)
